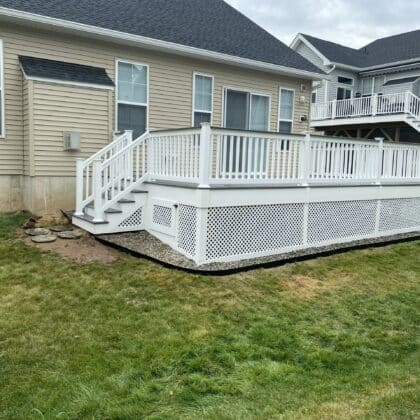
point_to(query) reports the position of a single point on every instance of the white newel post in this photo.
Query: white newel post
(334, 109)
(407, 102)
(374, 104)
(305, 162)
(380, 141)
(205, 155)
(97, 190)
(79, 187)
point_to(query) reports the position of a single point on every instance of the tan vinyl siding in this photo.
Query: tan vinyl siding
(59, 106)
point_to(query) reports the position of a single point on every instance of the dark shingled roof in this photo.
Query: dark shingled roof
(383, 51)
(206, 24)
(68, 72)
(401, 81)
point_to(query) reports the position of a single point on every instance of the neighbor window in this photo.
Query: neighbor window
(345, 80)
(286, 110)
(371, 85)
(343, 93)
(246, 111)
(202, 99)
(1, 91)
(132, 99)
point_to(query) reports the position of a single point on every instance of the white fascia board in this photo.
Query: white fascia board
(96, 32)
(379, 67)
(301, 38)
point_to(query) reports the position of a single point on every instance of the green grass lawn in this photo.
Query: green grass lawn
(336, 337)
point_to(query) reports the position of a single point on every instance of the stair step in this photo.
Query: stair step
(112, 211)
(126, 201)
(89, 219)
(139, 192)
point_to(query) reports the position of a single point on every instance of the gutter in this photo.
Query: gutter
(96, 32)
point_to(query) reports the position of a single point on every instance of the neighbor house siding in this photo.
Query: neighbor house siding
(170, 97)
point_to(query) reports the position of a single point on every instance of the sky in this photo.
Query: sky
(354, 23)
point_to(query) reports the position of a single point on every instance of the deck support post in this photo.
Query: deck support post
(374, 104)
(205, 155)
(334, 109)
(97, 190)
(79, 187)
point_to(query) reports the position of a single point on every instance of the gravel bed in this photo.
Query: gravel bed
(145, 245)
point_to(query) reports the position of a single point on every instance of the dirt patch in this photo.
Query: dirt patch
(304, 287)
(83, 250)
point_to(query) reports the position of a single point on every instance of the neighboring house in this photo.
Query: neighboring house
(187, 120)
(370, 92)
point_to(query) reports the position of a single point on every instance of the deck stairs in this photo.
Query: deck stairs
(111, 191)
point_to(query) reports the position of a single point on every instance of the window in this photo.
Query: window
(2, 121)
(202, 99)
(371, 85)
(286, 110)
(246, 111)
(343, 93)
(345, 80)
(313, 97)
(132, 97)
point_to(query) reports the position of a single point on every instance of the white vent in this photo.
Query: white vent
(71, 141)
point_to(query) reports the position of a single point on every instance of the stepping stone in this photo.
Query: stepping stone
(69, 235)
(37, 232)
(61, 228)
(44, 239)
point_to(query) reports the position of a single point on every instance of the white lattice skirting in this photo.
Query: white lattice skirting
(243, 232)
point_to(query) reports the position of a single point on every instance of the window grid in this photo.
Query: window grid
(198, 112)
(131, 103)
(286, 111)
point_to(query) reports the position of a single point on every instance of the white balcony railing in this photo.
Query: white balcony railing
(395, 103)
(212, 156)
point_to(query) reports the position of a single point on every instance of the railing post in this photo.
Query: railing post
(97, 190)
(374, 104)
(380, 154)
(205, 155)
(407, 103)
(306, 160)
(334, 109)
(79, 187)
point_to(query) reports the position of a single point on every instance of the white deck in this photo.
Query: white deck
(223, 195)
(401, 107)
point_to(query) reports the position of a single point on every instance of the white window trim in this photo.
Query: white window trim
(279, 119)
(2, 95)
(250, 92)
(193, 98)
(117, 102)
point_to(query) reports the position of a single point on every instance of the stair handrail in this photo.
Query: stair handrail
(115, 177)
(413, 110)
(84, 169)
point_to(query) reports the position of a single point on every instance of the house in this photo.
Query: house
(185, 119)
(370, 92)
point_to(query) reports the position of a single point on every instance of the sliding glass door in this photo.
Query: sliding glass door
(244, 156)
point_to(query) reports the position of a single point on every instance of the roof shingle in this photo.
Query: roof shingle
(67, 72)
(206, 24)
(383, 51)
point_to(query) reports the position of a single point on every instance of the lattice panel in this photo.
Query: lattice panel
(253, 229)
(187, 228)
(399, 214)
(162, 215)
(338, 220)
(134, 220)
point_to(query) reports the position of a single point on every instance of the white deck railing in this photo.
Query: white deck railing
(217, 156)
(395, 103)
